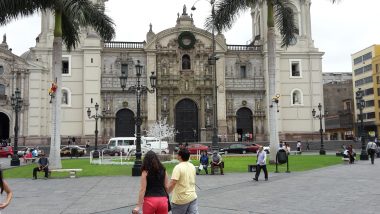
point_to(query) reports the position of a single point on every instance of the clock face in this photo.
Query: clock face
(186, 40)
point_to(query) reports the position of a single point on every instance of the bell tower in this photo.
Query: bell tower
(301, 9)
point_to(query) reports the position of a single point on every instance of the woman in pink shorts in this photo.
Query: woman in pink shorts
(153, 187)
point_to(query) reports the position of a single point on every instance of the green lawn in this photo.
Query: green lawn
(232, 164)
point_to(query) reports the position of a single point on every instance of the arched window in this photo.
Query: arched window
(66, 97)
(296, 97)
(186, 62)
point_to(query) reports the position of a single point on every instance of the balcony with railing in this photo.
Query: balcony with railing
(243, 48)
(124, 45)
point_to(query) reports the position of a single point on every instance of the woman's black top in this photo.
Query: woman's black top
(155, 184)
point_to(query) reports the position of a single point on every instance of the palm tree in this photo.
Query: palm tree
(279, 12)
(70, 15)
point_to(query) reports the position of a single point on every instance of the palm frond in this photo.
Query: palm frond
(14, 9)
(226, 13)
(284, 18)
(70, 32)
(88, 14)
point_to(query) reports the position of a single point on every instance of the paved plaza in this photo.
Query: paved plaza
(337, 189)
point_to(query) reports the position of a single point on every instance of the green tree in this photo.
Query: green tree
(70, 16)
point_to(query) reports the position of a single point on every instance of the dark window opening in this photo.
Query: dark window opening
(296, 69)
(65, 67)
(186, 62)
(243, 71)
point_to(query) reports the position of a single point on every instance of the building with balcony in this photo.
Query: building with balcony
(184, 94)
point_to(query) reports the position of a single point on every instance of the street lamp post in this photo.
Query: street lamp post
(16, 103)
(360, 102)
(322, 150)
(212, 62)
(138, 89)
(96, 116)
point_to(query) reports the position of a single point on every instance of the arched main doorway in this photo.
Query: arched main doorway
(4, 126)
(244, 124)
(186, 121)
(125, 123)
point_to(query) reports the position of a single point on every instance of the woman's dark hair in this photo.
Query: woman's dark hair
(185, 154)
(1, 182)
(151, 163)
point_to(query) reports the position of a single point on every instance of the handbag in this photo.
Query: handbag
(167, 196)
(200, 167)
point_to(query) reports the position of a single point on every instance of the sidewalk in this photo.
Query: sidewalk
(337, 189)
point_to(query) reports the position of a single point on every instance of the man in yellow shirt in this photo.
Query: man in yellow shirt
(184, 197)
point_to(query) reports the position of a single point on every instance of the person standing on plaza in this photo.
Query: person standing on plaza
(299, 146)
(261, 164)
(184, 197)
(371, 149)
(351, 154)
(4, 187)
(153, 197)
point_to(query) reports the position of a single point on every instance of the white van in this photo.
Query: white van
(155, 145)
(126, 144)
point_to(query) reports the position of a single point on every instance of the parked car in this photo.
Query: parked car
(235, 148)
(73, 150)
(193, 148)
(114, 151)
(253, 147)
(22, 152)
(6, 151)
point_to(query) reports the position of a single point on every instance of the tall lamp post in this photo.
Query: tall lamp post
(138, 89)
(322, 150)
(212, 62)
(96, 116)
(16, 103)
(360, 102)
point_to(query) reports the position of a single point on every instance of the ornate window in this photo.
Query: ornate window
(296, 97)
(2, 90)
(186, 62)
(124, 69)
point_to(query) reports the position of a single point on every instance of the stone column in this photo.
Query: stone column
(151, 97)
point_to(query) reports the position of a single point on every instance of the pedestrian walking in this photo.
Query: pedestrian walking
(307, 146)
(153, 197)
(299, 146)
(351, 154)
(261, 164)
(4, 187)
(88, 146)
(182, 184)
(371, 149)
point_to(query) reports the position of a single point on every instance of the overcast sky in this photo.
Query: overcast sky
(339, 30)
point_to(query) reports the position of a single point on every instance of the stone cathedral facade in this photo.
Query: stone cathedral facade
(184, 94)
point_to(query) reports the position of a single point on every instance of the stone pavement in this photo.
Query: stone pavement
(337, 189)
